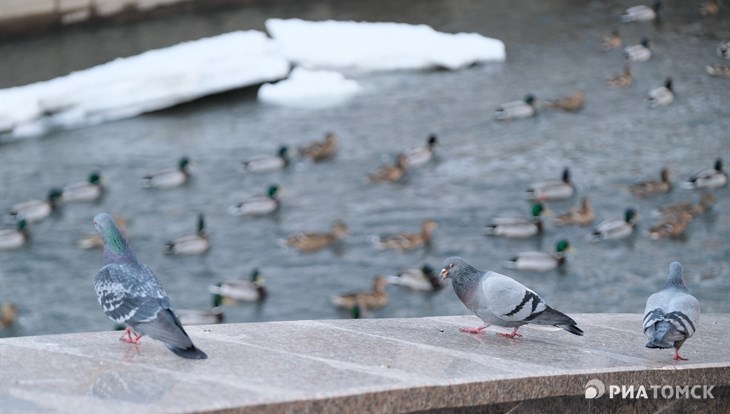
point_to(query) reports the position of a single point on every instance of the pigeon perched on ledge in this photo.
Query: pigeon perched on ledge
(671, 315)
(500, 300)
(130, 293)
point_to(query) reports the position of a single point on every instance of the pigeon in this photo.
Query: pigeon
(130, 294)
(500, 300)
(671, 315)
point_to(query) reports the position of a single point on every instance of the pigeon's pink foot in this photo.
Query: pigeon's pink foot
(677, 357)
(473, 330)
(511, 335)
(127, 337)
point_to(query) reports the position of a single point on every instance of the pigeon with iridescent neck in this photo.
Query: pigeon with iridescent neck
(130, 294)
(500, 300)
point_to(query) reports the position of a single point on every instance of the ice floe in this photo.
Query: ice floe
(365, 47)
(309, 89)
(161, 78)
(153, 80)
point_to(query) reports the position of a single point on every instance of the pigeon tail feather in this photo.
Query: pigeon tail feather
(190, 352)
(656, 340)
(554, 317)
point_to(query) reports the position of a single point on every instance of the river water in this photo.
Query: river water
(481, 170)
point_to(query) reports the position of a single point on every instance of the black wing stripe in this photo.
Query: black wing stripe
(528, 295)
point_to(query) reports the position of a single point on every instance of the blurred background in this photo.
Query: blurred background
(480, 170)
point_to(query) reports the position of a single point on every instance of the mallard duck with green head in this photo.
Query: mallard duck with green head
(191, 243)
(518, 227)
(517, 109)
(169, 177)
(641, 13)
(540, 261)
(417, 157)
(11, 239)
(714, 177)
(90, 190)
(211, 316)
(615, 229)
(644, 188)
(232, 291)
(34, 211)
(552, 189)
(258, 206)
(640, 52)
(424, 278)
(266, 163)
(661, 95)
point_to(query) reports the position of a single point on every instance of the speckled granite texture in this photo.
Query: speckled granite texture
(375, 365)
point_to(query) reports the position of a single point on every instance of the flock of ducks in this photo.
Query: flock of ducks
(674, 218)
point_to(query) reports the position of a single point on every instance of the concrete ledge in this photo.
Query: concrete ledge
(376, 365)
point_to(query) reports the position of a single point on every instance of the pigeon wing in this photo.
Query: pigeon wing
(510, 300)
(127, 294)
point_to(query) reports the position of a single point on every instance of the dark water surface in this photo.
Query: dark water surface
(481, 170)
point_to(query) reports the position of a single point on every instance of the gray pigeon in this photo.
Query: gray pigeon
(130, 293)
(500, 300)
(671, 315)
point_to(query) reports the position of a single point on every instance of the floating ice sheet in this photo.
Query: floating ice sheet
(309, 89)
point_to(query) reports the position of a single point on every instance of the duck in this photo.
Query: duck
(424, 278)
(672, 226)
(190, 244)
(581, 216)
(540, 261)
(517, 109)
(641, 13)
(234, 291)
(11, 239)
(417, 157)
(720, 71)
(518, 227)
(638, 53)
(705, 203)
(614, 229)
(90, 190)
(612, 41)
(266, 163)
(375, 299)
(392, 173)
(169, 177)
(34, 211)
(309, 242)
(94, 241)
(622, 80)
(664, 185)
(708, 178)
(321, 150)
(570, 103)
(410, 241)
(661, 95)
(723, 49)
(8, 315)
(211, 316)
(552, 189)
(258, 206)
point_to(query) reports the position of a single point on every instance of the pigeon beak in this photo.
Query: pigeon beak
(444, 274)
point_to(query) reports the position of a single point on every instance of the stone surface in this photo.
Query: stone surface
(375, 365)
